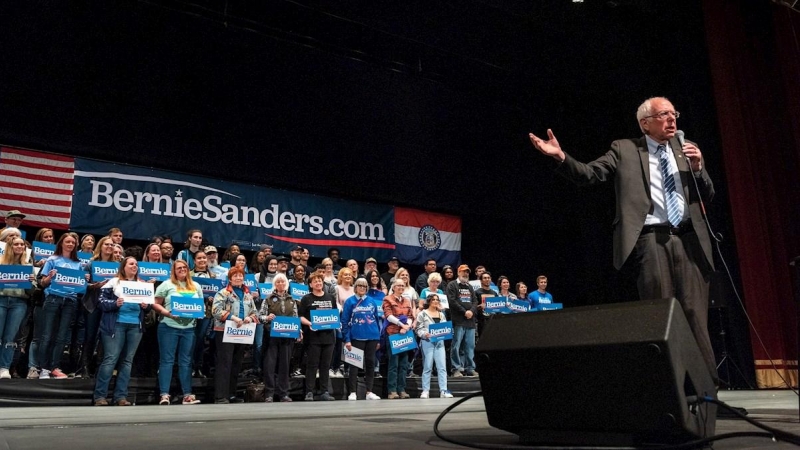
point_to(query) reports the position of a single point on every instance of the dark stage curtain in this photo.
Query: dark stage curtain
(754, 54)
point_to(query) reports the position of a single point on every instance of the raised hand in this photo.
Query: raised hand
(550, 147)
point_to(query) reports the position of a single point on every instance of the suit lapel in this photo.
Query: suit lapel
(644, 158)
(683, 166)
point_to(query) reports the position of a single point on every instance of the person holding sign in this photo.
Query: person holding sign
(320, 342)
(175, 334)
(279, 351)
(46, 235)
(121, 328)
(233, 307)
(202, 270)
(360, 330)
(432, 352)
(13, 302)
(61, 289)
(398, 310)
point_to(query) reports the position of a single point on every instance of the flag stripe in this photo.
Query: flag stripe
(38, 165)
(404, 235)
(26, 209)
(34, 199)
(11, 187)
(49, 157)
(417, 218)
(40, 176)
(411, 255)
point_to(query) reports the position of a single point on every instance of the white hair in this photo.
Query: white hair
(646, 109)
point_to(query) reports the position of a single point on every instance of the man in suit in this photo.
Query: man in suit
(659, 228)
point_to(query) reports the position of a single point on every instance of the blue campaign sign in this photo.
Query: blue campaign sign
(264, 289)
(210, 286)
(42, 250)
(85, 257)
(518, 306)
(150, 270)
(15, 277)
(145, 202)
(496, 305)
(285, 327)
(68, 282)
(377, 297)
(549, 306)
(251, 282)
(226, 264)
(402, 342)
(188, 307)
(104, 270)
(325, 319)
(442, 331)
(297, 290)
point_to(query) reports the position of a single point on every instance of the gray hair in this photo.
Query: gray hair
(645, 109)
(434, 277)
(8, 232)
(279, 276)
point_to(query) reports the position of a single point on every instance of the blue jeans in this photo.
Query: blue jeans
(12, 311)
(258, 344)
(433, 353)
(171, 341)
(398, 370)
(122, 344)
(33, 351)
(57, 314)
(463, 342)
(200, 330)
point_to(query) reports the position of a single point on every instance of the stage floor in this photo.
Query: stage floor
(341, 424)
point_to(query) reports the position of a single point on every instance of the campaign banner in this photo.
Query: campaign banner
(151, 270)
(145, 202)
(102, 271)
(402, 342)
(137, 292)
(252, 283)
(68, 282)
(354, 357)
(325, 319)
(187, 307)
(42, 250)
(518, 306)
(85, 257)
(549, 306)
(244, 334)
(298, 291)
(442, 331)
(265, 289)
(285, 327)
(2, 248)
(377, 297)
(210, 286)
(15, 277)
(496, 305)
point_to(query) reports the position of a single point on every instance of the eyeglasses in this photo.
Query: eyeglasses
(663, 115)
(362, 286)
(182, 268)
(328, 265)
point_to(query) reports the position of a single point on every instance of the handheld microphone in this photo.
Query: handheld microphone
(679, 136)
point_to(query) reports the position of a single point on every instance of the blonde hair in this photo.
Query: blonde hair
(9, 258)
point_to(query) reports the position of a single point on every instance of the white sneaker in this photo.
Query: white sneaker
(44, 374)
(372, 396)
(5, 374)
(425, 394)
(445, 394)
(352, 396)
(33, 373)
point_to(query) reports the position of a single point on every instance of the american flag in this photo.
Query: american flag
(38, 184)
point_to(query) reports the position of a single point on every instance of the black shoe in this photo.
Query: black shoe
(326, 397)
(236, 400)
(222, 401)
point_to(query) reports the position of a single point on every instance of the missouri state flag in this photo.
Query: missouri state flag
(420, 235)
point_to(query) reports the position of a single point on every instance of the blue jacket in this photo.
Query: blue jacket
(108, 304)
(360, 320)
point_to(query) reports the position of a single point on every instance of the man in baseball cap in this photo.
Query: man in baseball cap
(13, 219)
(463, 310)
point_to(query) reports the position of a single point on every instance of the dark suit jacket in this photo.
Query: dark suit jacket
(628, 163)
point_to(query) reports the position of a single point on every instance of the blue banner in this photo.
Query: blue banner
(402, 342)
(15, 277)
(264, 289)
(151, 270)
(210, 286)
(42, 250)
(549, 306)
(518, 306)
(188, 307)
(377, 297)
(285, 327)
(145, 202)
(298, 291)
(325, 319)
(85, 257)
(496, 305)
(104, 270)
(68, 282)
(442, 331)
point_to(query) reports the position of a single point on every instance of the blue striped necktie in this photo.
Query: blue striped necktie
(674, 214)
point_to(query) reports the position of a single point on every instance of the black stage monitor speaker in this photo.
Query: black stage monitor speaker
(619, 374)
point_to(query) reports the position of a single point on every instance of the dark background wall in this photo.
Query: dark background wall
(414, 103)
